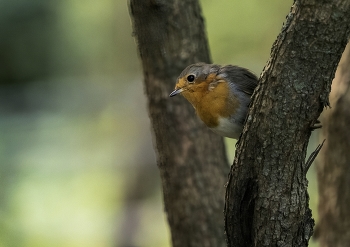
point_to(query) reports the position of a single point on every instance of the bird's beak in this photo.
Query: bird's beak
(175, 92)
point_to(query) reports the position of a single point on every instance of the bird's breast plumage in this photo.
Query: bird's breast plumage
(216, 101)
(227, 127)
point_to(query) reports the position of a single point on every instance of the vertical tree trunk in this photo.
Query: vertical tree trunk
(267, 203)
(192, 160)
(333, 164)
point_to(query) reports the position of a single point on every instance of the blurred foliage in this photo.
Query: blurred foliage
(242, 32)
(41, 39)
(75, 139)
(24, 40)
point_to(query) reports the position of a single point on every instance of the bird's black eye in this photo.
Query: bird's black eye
(190, 78)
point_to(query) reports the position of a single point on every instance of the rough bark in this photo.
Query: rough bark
(192, 160)
(267, 203)
(333, 164)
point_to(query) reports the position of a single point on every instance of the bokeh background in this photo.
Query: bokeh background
(75, 139)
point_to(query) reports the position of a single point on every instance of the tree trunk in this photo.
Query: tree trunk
(267, 203)
(333, 165)
(191, 159)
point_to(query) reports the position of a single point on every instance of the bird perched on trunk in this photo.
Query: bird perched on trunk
(219, 94)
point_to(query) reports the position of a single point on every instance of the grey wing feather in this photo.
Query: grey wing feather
(242, 78)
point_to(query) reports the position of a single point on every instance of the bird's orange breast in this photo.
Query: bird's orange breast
(212, 101)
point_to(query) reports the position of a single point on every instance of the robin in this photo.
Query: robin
(219, 94)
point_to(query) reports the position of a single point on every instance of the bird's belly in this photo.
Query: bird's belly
(228, 128)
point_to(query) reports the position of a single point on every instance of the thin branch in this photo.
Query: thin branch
(313, 156)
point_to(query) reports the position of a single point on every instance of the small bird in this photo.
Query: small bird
(219, 94)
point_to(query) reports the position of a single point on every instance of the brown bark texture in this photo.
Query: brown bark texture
(333, 163)
(191, 159)
(267, 203)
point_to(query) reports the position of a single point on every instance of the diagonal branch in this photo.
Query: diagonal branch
(266, 199)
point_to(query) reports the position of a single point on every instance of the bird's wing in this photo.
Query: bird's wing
(241, 78)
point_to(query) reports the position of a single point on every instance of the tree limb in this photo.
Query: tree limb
(267, 203)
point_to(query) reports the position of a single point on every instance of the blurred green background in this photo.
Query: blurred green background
(75, 140)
